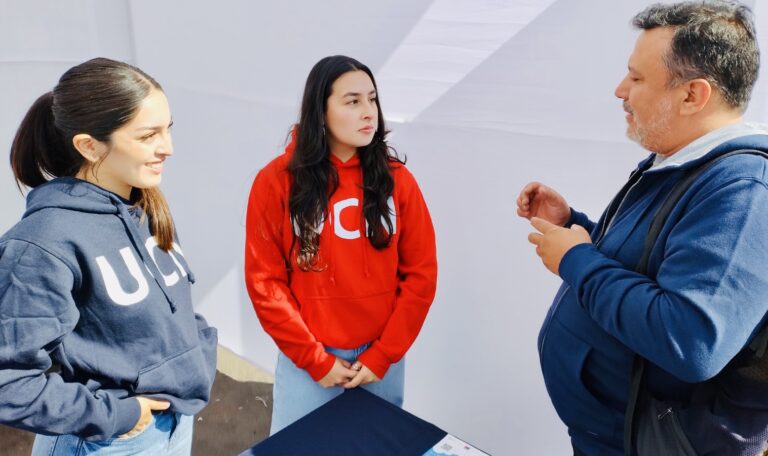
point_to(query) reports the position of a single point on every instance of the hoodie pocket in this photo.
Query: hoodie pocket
(209, 340)
(562, 362)
(184, 375)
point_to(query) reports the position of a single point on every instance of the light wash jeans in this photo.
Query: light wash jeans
(295, 394)
(169, 434)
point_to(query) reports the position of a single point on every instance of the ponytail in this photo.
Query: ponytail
(96, 97)
(152, 202)
(39, 150)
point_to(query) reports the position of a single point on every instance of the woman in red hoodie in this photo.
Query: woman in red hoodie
(340, 257)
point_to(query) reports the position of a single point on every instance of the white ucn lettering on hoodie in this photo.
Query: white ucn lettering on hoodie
(393, 218)
(337, 228)
(344, 233)
(173, 277)
(116, 292)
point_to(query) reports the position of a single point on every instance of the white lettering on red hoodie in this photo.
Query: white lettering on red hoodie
(360, 294)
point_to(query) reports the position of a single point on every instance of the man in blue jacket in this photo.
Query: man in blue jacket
(705, 294)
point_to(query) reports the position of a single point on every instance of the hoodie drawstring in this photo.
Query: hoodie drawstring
(331, 235)
(364, 229)
(365, 250)
(130, 226)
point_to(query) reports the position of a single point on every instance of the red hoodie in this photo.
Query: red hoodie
(361, 294)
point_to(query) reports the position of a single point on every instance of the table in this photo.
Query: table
(355, 423)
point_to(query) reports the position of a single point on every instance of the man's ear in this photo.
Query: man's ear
(89, 147)
(698, 93)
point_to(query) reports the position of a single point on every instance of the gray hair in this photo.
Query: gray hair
(714, 40)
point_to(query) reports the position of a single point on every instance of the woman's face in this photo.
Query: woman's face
(351, 115)
(134, 155)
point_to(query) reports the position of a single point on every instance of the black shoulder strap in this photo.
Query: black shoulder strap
(759, 343)
(674, 196)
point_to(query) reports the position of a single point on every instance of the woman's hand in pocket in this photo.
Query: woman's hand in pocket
(147, 406)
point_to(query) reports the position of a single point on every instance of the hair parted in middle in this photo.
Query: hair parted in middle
(314, 178)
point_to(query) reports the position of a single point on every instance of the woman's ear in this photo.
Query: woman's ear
(89, 147)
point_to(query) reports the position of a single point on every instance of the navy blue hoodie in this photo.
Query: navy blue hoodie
(707, 295)
(84, 285)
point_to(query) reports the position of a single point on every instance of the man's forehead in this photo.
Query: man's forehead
(651, 46)
(656, 39)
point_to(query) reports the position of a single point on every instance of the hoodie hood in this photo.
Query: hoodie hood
(73, 194)
(352, 162)
(731, 137)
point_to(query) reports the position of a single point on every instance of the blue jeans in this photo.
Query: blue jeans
(169, 434)
(295, 394)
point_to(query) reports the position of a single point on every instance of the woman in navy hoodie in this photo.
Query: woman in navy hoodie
(100, 349)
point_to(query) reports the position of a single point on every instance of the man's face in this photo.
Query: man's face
(649, 102)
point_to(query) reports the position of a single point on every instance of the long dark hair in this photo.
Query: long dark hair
(314, 178)
(96, 98)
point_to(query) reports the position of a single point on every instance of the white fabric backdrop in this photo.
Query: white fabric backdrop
(482, 96)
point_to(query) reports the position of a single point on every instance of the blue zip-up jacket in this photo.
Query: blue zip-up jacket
(705, 295)
(84, 285)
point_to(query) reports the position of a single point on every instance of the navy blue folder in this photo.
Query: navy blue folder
(355, 423)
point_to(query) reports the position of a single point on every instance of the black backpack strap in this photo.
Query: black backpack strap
(760, 342)
(638, 368)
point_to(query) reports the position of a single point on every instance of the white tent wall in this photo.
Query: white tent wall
(535, 104)
(39, 40)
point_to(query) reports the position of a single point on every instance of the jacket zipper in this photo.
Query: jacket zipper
(545, 330)
(599, 239)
